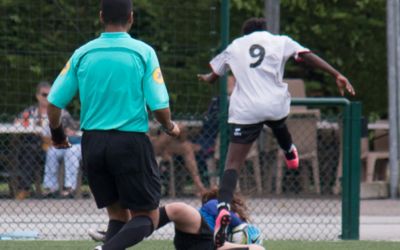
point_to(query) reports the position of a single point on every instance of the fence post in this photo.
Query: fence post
(354, 198)
(346, 225)
(351, 172)
(351, 137)
(223, 92)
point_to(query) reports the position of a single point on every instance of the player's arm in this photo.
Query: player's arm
(315, 61)
(210, 77)
(219, 66)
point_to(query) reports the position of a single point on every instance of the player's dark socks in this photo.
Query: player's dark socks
(227, 187)
(282, 135)
(113, 228)
(164, 219)
(132, 233)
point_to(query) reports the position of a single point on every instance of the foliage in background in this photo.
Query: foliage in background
(37, 38)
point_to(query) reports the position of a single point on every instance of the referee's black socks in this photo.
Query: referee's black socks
(133, 232)
(227, 188)
(113, 228)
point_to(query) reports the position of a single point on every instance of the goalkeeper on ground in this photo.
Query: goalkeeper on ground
(194, 228)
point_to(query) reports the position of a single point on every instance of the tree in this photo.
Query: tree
(38, 37)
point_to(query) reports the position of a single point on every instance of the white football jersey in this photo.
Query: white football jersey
(257, 61)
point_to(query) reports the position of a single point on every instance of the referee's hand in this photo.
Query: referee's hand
(59, 139)
(172, 130)
(63, 145)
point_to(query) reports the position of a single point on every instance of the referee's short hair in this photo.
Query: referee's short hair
(254, 24)
(116, 11)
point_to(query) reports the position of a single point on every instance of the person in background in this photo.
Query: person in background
(167, 147)
(37, 150)
(31, 152)
(71, 156)
(206, 144)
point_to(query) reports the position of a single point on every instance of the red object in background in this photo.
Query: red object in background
(25, 119)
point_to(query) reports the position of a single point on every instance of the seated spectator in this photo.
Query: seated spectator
(196, 154)
(166, 147)
(36, 148)
(205, 142)
(71, 157)
(31, 154)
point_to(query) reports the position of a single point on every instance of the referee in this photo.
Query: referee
(117, 77)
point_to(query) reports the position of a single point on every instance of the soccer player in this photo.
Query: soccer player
(257, 61)
(194, 228)
(117, 77)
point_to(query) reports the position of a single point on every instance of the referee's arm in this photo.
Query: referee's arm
(54, 114)
(58, 136)
(61, 93)
(163, 116)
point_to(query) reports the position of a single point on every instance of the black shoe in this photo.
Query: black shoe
(51, 195)
(67, 193)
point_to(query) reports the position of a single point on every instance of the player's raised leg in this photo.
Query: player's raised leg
(282, 135)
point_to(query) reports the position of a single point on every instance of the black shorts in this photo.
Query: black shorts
(121, 167)
(248, 133)
(202, 241)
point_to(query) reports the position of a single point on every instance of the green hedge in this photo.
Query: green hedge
(37, 38)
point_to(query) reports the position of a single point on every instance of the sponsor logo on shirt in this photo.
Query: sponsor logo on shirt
(66, 68)
(237, 132)
(157, 76)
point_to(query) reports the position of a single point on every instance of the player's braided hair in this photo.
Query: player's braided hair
(254, 24)
(238, 204)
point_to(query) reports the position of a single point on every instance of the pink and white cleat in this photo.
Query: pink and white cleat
(221, 227)
(292, 158)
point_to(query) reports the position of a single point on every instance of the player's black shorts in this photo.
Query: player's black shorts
(248, 133)
(202, 241)
(121, 166)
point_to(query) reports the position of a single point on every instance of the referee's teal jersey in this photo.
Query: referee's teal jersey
(116, 76)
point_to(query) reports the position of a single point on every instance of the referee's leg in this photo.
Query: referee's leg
(138, 185)
(101, 181)
(134, 231)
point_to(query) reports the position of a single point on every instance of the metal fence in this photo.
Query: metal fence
(35, 198)
(302, 204)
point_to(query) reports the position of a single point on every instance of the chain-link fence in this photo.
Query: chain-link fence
(286, 204)
(45, 191)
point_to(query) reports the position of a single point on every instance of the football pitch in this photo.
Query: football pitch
(167, 245)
